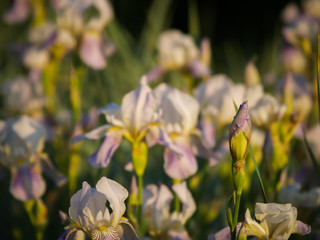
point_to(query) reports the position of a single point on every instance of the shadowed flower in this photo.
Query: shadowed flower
(156, 207)
(277, 222)
(179, 118)
(177, 51)
(132, 120)
(21, 144)
(73, 27)
(89, 212)
(23, 96)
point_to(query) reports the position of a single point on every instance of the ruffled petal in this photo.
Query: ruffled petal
(26, 183)
(116, 195)
(102, 157)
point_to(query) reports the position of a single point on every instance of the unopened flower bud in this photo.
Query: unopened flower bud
(240, 134)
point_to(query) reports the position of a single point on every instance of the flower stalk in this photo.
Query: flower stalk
(239, 140)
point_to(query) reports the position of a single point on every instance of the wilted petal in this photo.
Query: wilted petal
(138, 108)
(180, 166)
(112, 113)
(91, 51)
(126, 230)
(26, 183)
(188, 203)
(116, 195)
(94, 134)
(301, 228)
(19, 12)
(111, 142)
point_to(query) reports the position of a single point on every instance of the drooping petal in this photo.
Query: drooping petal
(185, 196)
(208, 133)
(94, 134)
(112, 113)
(126, 230)
(223, 234)
(138, 108)
(301, 228)
(26, 183)
(111, 142)
(91, 51)
(180, 166)
(116, 195)
(49, 169)
(19, 12)
(72, 234)
(175, 234)
(198, 69)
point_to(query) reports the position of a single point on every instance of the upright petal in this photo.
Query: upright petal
(188, 203)
(138, 108)
(78, 202)
(253, 228)
(116, 195)
(112, 113)
(26, 183)
(161, 208)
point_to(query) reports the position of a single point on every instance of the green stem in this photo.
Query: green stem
(140, 199)
(235, 216)
(176, 198)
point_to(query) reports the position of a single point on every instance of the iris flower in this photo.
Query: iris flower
(179, 119)
(276, 222)
(21, 145)
(157, 210)
(90, 213)
(133, 119)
